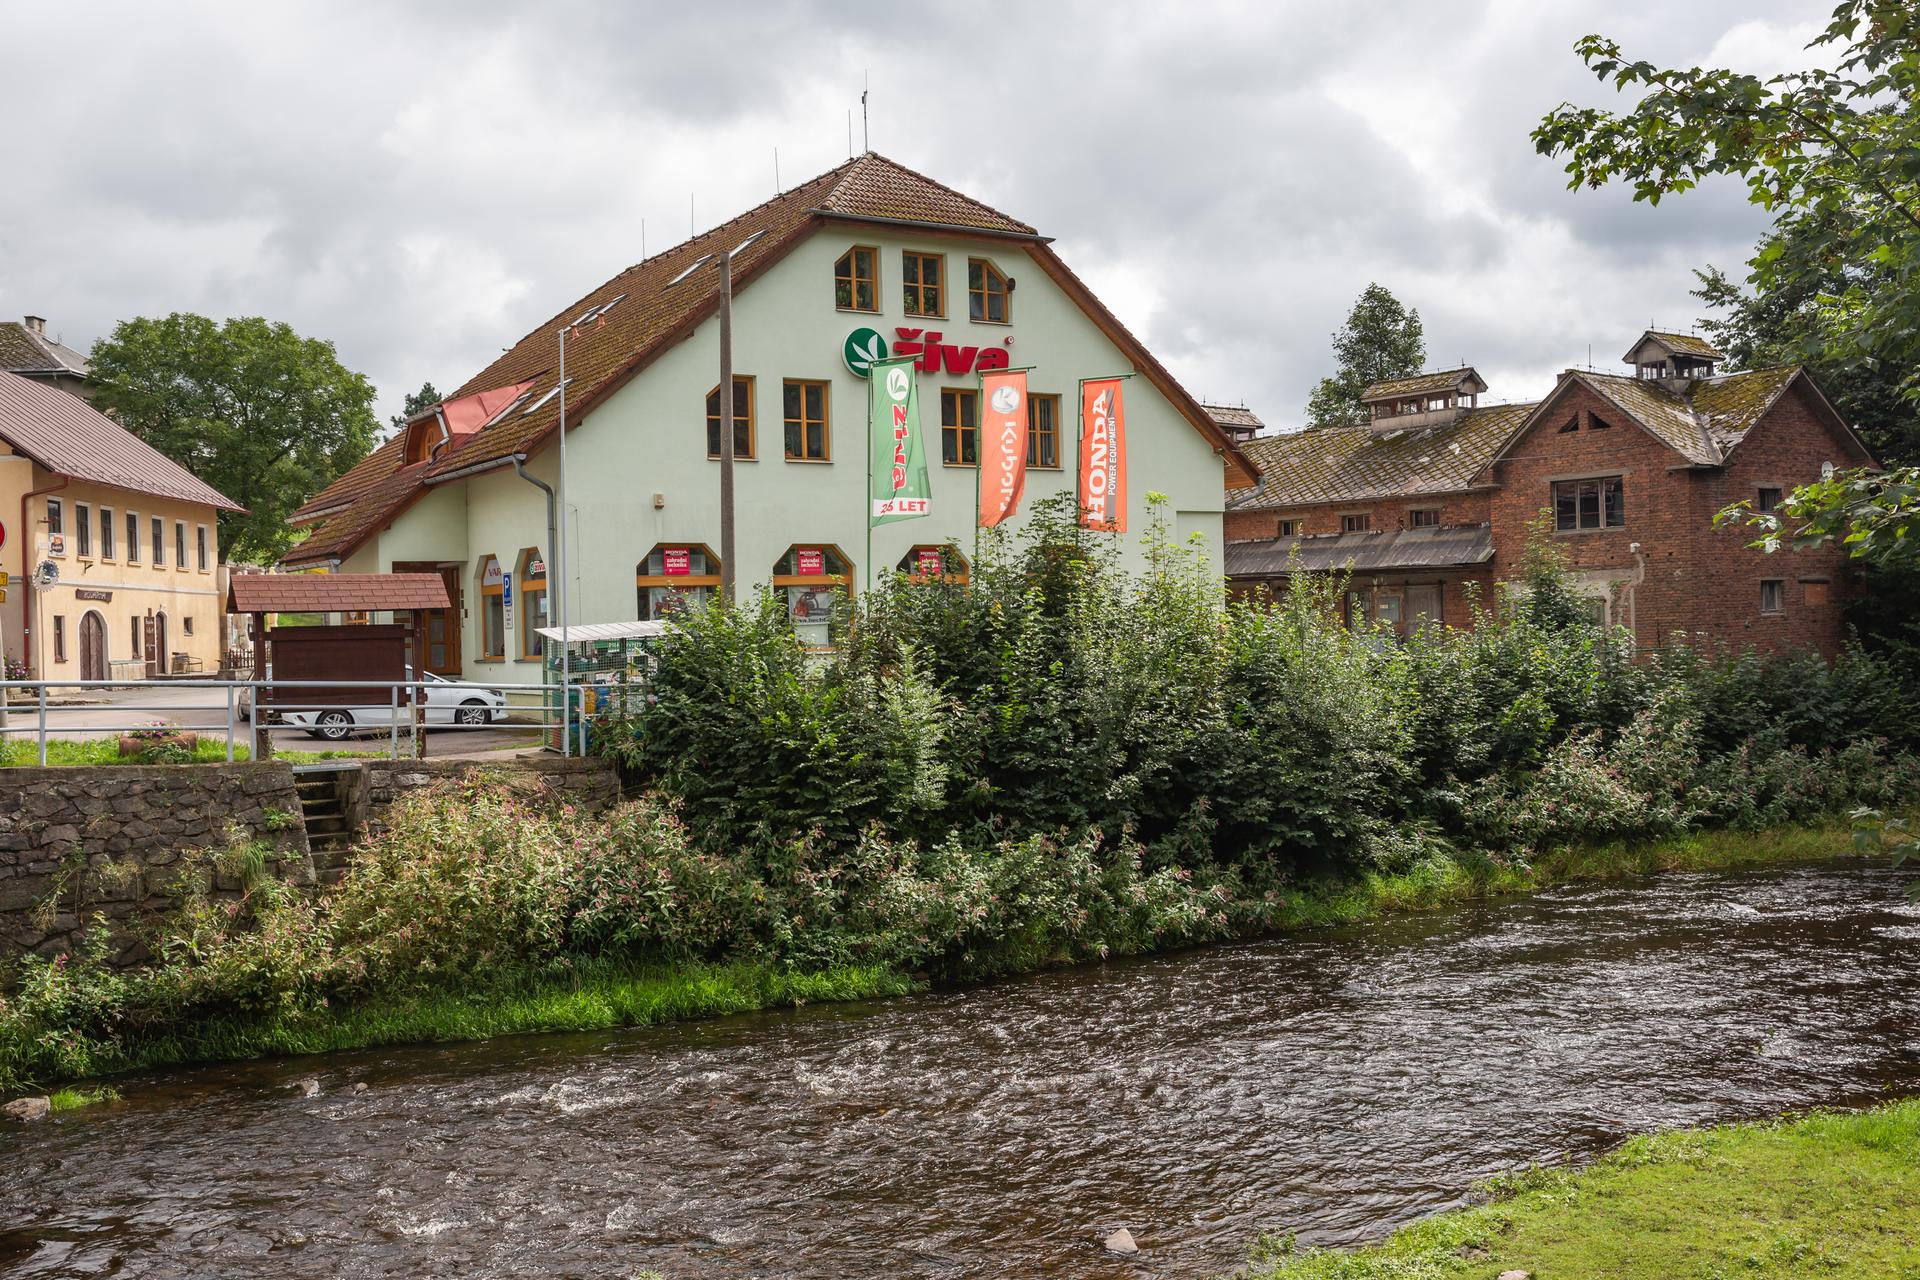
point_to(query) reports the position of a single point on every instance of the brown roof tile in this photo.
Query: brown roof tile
(1358, 464)
(334, 592)
(370, 471)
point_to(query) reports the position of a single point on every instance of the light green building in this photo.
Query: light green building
(868, 246)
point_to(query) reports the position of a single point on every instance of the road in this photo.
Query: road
(205, 710)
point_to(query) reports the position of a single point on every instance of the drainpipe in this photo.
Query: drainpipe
(1633, 589)
(28, 605)
(553, 529)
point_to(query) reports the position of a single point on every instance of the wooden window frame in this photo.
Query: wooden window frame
(180, 545)
(1760, 493)
(913, 294)
(60, 635)
(56, 526)
(486, 594)
(950, 554)
(712, 420)
(133, 537)
(1288, 528)
(986, 292)
(83, 530)
(852, 279)
(1780, 589)
(109, 546)
(1033, 434)
(971, 396)
(522, 580)
(643, 581)
(1415, 522)
(202, 550)
(159, 532)
(1603, 486)
(826, 418)
(1358, 522)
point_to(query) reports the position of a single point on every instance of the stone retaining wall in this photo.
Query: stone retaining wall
(591, 783)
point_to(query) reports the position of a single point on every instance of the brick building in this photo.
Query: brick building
(1427, 504)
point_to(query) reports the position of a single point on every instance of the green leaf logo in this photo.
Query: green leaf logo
(863, 347)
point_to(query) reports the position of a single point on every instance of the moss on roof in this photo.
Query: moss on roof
(1357, 464)
(1440, 380)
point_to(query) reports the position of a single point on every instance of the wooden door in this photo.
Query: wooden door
(439, 628)
(93, 647)
(1423, 605)
(158, 661)
(151, 647)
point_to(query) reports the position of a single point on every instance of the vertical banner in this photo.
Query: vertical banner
(1003, 451)
(896, 462)
(1103, 456)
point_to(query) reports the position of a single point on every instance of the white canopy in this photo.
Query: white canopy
(603, 631)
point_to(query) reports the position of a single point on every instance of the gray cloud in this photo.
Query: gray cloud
(422, 184)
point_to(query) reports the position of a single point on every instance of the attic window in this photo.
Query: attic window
(692, 267)
(596, 312)
(1597, 423)
(543, 400)
(1573, 424)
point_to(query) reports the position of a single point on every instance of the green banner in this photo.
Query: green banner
(896, 463)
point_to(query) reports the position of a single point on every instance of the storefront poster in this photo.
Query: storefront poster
(1103, 456)
(928, 561)
(896, 462)
(678, 562)
(1003, 451)
(809, 562)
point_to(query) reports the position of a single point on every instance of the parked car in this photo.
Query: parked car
(447, 702)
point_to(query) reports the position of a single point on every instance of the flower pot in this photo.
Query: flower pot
(136, 746)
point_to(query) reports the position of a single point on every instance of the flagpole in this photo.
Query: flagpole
(867, 497)
(564, 567)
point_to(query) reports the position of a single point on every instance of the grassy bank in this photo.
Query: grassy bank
(584, 994)
(1824, 1195)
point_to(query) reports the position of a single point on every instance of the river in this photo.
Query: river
(1335, 1084)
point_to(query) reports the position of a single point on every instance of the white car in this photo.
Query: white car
(447, 702)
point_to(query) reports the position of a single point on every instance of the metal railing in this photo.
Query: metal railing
(34, 707)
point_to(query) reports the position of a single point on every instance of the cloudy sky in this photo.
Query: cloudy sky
(421, 183)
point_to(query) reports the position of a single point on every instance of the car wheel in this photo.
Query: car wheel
(470, 713)
(334, 726)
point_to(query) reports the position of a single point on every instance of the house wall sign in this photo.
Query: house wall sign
(91, 593)
(864, 346)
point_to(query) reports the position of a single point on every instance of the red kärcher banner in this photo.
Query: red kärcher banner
(1003, 447)
(1103, 456)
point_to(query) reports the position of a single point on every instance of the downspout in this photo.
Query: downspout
(553, 528)
(28, 605)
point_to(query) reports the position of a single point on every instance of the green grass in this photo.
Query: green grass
(1825, 1195)
(576, 995)
(71, 1099)
(209, 750)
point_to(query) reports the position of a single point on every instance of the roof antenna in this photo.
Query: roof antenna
(643, 239)
(866, 143)
(776, 171)
(849, 133)
(689, 215)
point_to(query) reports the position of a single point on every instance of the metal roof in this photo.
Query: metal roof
(583, 631)
(1361, 552)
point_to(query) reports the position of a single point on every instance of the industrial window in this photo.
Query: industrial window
(159, 543)
(106, 533)
(988, 292)
(133, 537)
(200, 545)
(1423, 518)
(675, 576)
(1589, 504)
(530, 589)
(805, 404)
(59, 638)
(1287, 529)
(742, 419)
(1356, 524)
(1768, 500)
(959, 427)
(1043, 431)
(179, 544)
(812, 580)
(856, 280)
(934, 563)
(83, 528)
(1773, 595)
(493, 610)
(923, 277)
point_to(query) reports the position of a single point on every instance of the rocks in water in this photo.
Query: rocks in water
(1121, 1241)
(309, 1086)
(27, 1109)
(359, 1086)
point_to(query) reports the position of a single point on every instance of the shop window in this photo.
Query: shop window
(805, 405)
(106, 533)
(1423, 518)
(133, 537)
(1287, 529)
(530, 593)
(1043, 431)
(159, 543)
(180, 544)
(742, 419)
(1589, 504)
(493, 610)
(988, 292)
(1768, 499)
(959, 427)
(930, 563)
(676, 576)
(856, 280)
(200, 546)
(923, 278)
(1773, 595)
(82, 529)
(56, 527)
(813, 580)
(59, 638)
(1356, 524)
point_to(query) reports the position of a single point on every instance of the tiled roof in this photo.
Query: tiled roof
(1359, 552)
(1443, 380)
(1234, 417)
(334, 592)
(1703, 419)
(1685, 344)
(1358, 464)
(660, 302)
(69, 437)
(24, 351)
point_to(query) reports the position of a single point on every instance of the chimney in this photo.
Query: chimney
(37, 324)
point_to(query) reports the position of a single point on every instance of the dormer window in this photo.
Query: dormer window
(1660, 355)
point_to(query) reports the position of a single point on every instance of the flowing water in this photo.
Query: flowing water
(1335, 1084)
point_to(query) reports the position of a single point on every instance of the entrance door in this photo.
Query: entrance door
(1423, 604)
(159, 662)
(440, 628)
(93, 647)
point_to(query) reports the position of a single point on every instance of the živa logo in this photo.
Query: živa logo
(1005, 399)
(898, 383)
(862, 347)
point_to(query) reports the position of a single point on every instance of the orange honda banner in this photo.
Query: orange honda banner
(1003, 446)
(1103, 456)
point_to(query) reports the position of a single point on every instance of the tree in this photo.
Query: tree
(262, 414)
(425, 397)
(1380, 340)
(1833, 154)
(1875, 515)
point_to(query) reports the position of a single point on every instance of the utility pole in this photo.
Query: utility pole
(562, 566)
(727, 568)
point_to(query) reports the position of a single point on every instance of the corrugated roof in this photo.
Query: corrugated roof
(24, 351)
(334, 592)
(1419, 383)
(1445, 548)
(581, 632)
(1356, 464)
(69, 437)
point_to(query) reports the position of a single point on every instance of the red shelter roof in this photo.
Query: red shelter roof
(335, 592)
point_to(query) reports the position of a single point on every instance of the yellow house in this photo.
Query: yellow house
(125, 536)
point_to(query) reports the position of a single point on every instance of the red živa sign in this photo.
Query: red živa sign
(935, 355)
